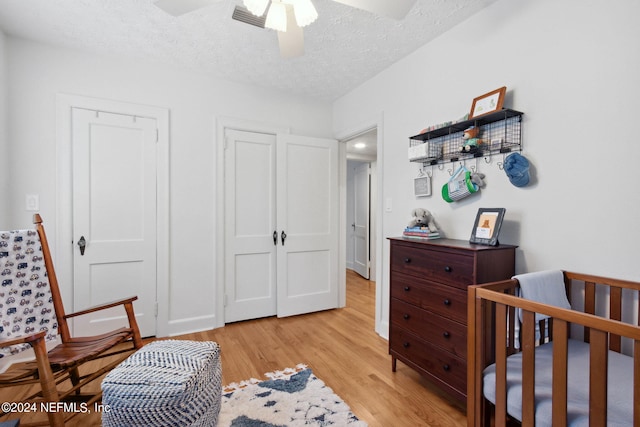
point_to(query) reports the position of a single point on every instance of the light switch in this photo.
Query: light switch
(388, 205)
(32, 202)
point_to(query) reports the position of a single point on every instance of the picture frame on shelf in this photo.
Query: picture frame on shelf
(487, 225)
(490, 102)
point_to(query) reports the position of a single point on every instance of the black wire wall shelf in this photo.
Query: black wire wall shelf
(500, 133)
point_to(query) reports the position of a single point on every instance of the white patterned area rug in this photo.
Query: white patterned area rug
(292, 397)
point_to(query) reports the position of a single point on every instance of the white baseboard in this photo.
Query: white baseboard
(383, 330)
(191, 325)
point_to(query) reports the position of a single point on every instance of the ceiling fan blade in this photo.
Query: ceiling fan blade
(396, 9)
(180, 7)
(291, 42)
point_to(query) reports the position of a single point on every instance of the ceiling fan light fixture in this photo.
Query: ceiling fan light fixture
(277, 17)
(257, 7)
(305, 12)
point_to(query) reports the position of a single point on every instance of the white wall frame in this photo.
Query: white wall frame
(64, 226)
(381, 325)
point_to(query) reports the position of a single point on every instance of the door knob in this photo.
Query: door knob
(283, 236)
(275, 237)
(82, 244)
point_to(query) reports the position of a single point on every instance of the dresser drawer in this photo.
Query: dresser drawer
(437, 362)
(447, 267)
(439, 331)
(444, 300)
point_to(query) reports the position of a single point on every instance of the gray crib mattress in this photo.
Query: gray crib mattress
(620, 386)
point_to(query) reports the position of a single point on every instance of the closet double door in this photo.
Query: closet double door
(281, 225)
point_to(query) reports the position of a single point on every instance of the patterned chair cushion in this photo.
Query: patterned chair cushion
(26, 305)
(165, 383)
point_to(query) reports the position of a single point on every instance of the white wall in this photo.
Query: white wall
(36, 73)
(572, 67)
(4, 138)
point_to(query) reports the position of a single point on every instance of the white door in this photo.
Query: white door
(250, 224)
(114, 215)
(308, 201)
(281, 225)
(361, 220)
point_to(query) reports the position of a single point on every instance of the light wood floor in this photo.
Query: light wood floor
(343, 350)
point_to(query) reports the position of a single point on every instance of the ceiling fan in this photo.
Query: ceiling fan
(288, 17)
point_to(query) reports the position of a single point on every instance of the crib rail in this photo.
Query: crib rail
(492, 338)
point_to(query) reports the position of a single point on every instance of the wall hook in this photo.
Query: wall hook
(474, 167)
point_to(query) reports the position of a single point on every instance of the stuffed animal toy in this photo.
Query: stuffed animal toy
(478, 179)
(422, 218)
(471, 142)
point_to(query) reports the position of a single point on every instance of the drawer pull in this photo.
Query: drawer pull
(446, 367)
(446, 302)
(407, 260)
(446, 334)
(405, 344)
(407, 288)
(447, 269)
(406, 317)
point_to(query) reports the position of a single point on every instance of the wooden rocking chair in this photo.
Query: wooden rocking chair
(32, 313)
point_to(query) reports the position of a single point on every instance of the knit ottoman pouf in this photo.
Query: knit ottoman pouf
(165, 383)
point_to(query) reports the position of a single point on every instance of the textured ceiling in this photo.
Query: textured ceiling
(343, 48)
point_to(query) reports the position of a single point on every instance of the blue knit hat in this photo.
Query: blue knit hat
(517, 168)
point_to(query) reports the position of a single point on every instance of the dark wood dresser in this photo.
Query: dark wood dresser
(428, 303)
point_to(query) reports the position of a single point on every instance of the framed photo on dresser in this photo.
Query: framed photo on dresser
(487, 226)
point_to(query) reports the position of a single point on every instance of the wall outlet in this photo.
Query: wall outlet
(32, 202)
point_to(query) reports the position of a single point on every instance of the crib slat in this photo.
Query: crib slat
(559, 387)
(598, 379)
(615, 313)
(528, 368)
(637, 298)
(636, 383)
(501, 366)
(589, 304)
(568, 284)
(511, 330)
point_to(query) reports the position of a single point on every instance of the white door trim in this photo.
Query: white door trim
(381, 322)
(220, 125)
(64, 211)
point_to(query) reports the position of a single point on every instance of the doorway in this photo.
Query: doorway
(112, 113)
(361, 197)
